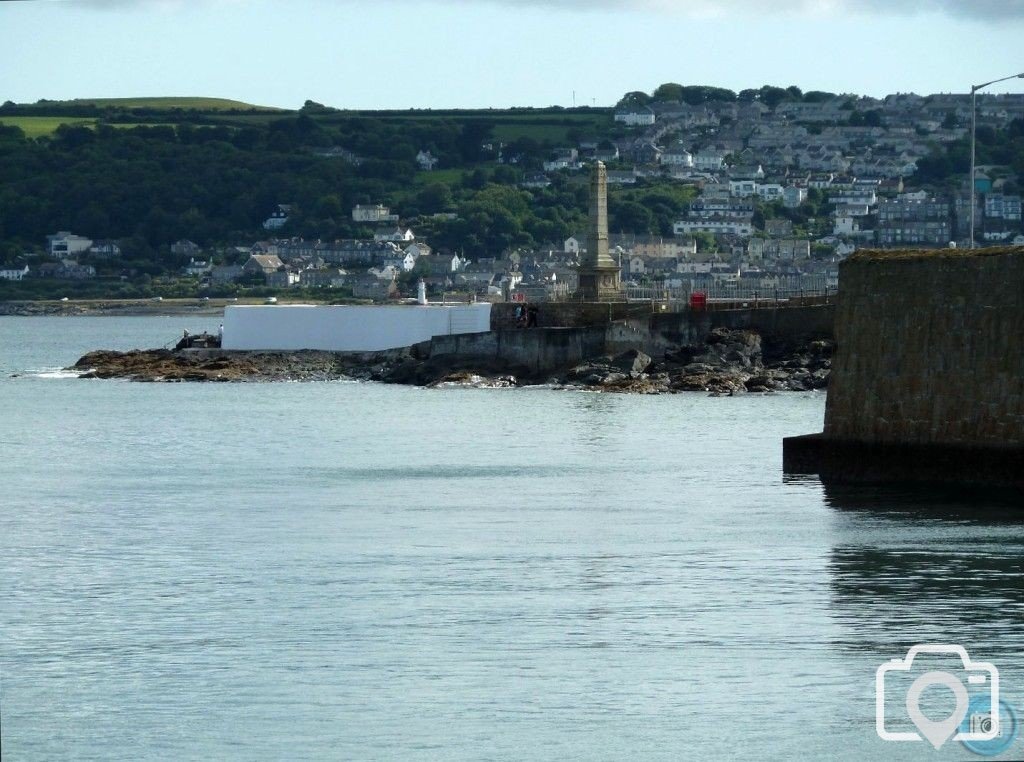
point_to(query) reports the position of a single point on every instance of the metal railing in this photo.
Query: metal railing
(792, 291)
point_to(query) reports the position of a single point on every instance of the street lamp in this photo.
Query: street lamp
(974, 137)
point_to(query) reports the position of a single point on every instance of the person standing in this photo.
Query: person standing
(531, 317)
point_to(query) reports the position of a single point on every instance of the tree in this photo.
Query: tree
(669, 91)
(818, 96)
(330, 206)
(631, 217)
(11, 133)
(698, 94)
(634, 98)
(705, 242)
(773, 96)
(505, 175)
(435, 197)
(475, 180)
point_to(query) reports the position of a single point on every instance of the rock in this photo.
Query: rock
(682, 355)
(631, 361)
(759, 382)
(730, 362)
(403, 372)
(474, 380)
(586, 370)
(613, 378)
(696, 368)
(691, 383)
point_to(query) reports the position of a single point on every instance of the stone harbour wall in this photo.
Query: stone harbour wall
(567, 314)
(534, 351)
(930, 348)
(782, 326)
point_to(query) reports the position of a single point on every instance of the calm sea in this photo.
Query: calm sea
(358, 571)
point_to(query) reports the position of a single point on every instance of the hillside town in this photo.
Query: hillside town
(780, 194)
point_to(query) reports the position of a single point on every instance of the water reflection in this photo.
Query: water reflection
(917, 502)
(595, 416)
(930, 565)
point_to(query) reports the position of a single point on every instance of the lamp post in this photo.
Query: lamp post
(974, 137)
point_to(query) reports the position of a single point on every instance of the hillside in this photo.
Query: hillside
(157, 103)
(148, 172)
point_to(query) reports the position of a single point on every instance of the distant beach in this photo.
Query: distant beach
(119, 307)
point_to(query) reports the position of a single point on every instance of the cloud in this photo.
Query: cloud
(978, 10)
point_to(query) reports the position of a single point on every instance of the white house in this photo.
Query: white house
(859, 196)
(677, 156)
(401, 260)
(197, 266)
(709, 159)
(742, 188)
(793, 196)
(373, 213)
(779, 248)
(105, 249)
(852, 210)
(718, 226)
(694, 267)
(279, 218)
(770, 191)
(11, 272)
(845, 225)
(572, 245)
(561, 162)
(394, 234)
(636, 116)
(64, 244)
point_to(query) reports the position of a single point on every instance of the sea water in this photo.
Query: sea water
(361, 571)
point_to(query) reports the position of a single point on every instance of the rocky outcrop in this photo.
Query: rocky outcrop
(169, 365)
(73, 307)
(727, 362)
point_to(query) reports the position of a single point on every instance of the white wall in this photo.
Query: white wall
(347, 328)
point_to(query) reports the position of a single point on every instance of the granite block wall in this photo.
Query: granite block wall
(930, 348)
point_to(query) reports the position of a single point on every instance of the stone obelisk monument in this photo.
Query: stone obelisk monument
(600, 278)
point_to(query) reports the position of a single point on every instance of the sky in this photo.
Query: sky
(400, 54)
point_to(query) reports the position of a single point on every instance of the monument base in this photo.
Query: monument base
(600, 284)
(844, 461)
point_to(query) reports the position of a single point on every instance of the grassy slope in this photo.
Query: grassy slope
(199, 104)
(37, 126)
(544, 125)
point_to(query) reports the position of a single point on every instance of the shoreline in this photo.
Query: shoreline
(728, 362)
(112, 308)
(118, 307)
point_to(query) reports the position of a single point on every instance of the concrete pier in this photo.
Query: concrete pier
(928, 378)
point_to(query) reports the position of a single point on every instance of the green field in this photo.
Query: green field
(41, 126)
(542, 125)
(38, 126)
(198, 104)
(447, 176)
